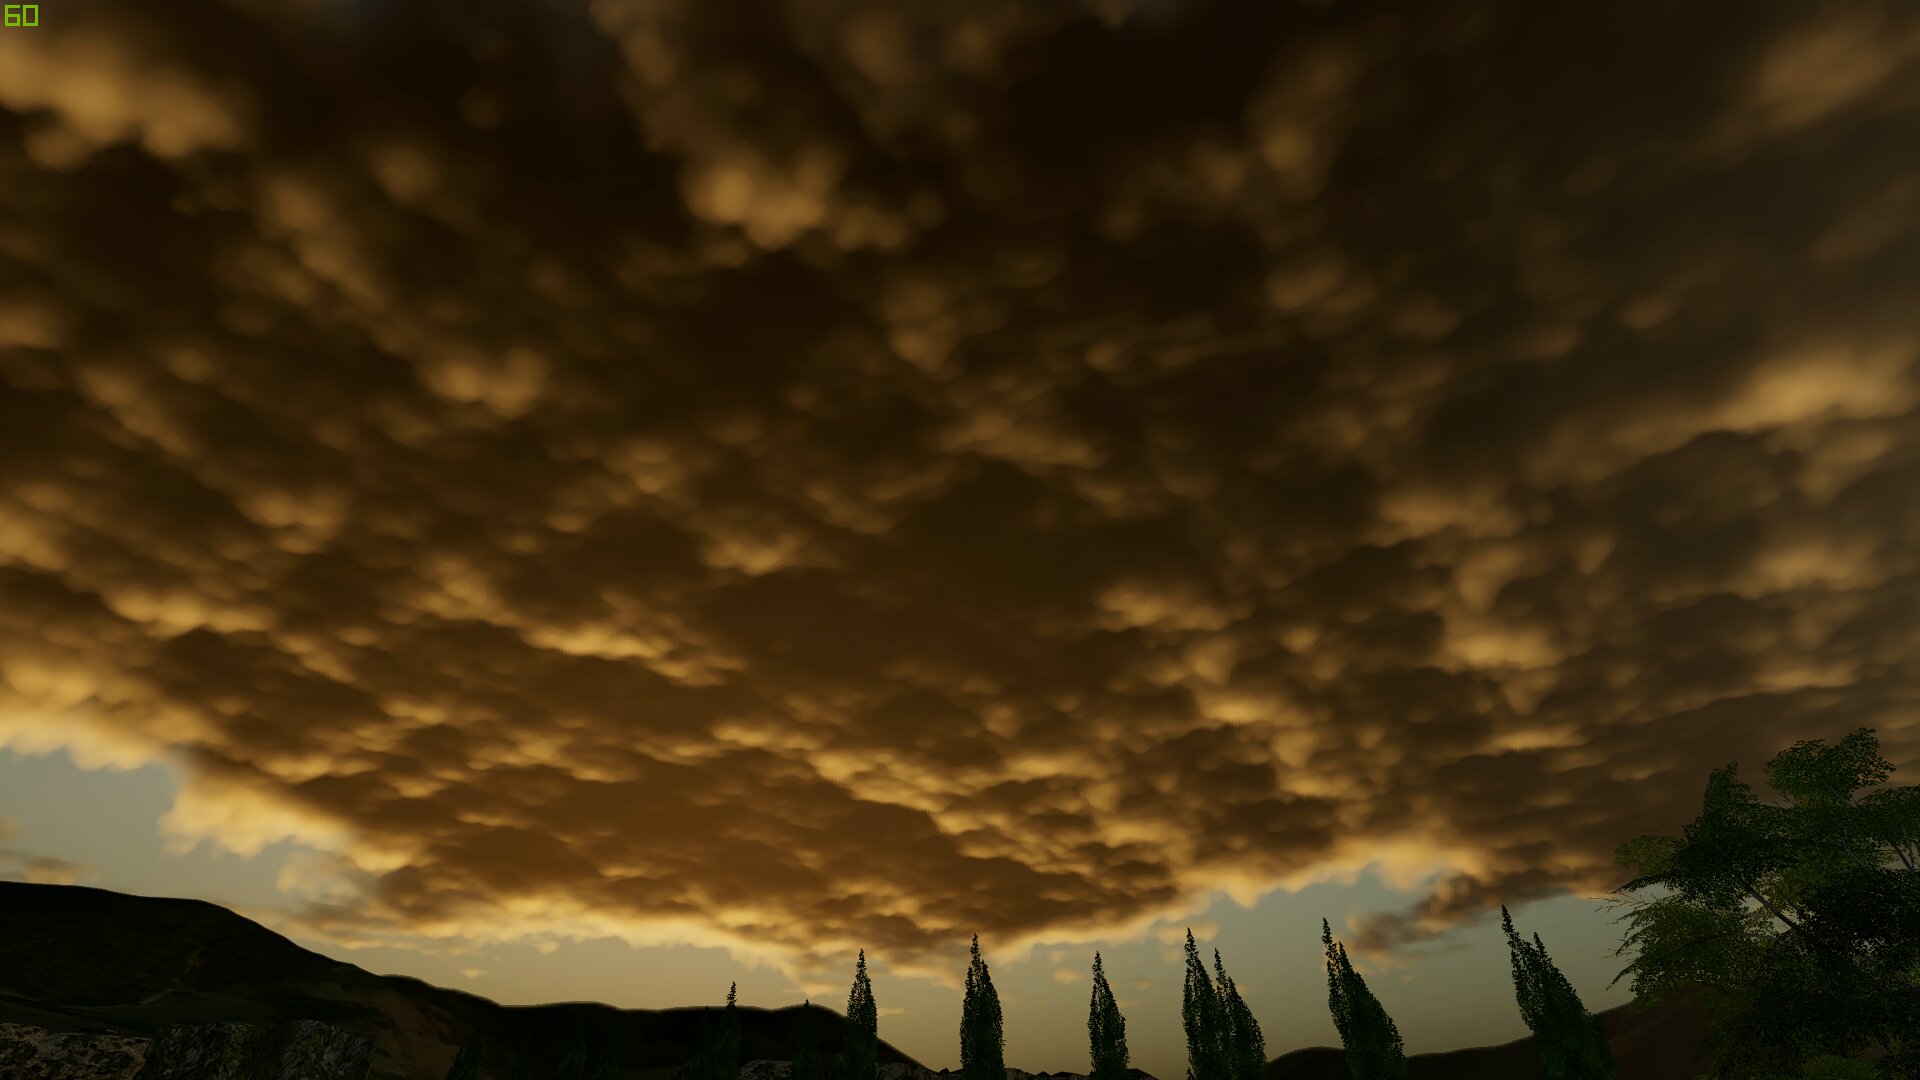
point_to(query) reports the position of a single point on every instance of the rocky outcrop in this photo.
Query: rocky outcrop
(298, 1050)
(31, 1053)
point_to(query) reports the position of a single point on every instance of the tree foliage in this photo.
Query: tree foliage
(982, 1036)
(806, 1057)
(1572, 1044)
(862, 1038)
(706, 1050)
(1373, 1047)
(1801, 920)
(1244, 1047)
(727, 1056)
(1106, 1030)
(1204, 1020)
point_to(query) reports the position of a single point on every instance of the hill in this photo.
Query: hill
(1666, 1043)
(81, 959)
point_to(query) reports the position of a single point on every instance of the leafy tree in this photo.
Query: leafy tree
(466, 1063)
(1106, 1030)
(1801, 920)
(806, 1058)
(1373, 1047)
(1204, 1020)
(982, 1040)
(1245, 1048)
(862, 1040)
(1572, 1044)
(573, 1060)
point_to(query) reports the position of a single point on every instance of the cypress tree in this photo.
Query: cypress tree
(466, 1064)
(806, 1058)
(1245, 1047)
(863, 1028)
(1573, 1046)
(1204, 1021)
(705, 1050)
(1106, 1030)
(982, 1038)
(573, 1060)
(1373, 1047)
(727, 1059)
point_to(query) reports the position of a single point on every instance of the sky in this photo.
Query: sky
(601, 500)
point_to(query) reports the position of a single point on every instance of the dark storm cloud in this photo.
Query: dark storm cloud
(820, 474)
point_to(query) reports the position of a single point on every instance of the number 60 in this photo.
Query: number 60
(22, 15)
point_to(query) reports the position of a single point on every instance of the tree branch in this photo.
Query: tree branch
(1850, 956)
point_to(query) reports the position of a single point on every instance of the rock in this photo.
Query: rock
(766, 1070)
(296, 1050)
(311, 1050)
(31, 1053)
(206, 1052)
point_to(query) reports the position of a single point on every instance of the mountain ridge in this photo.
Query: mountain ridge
(195, 961)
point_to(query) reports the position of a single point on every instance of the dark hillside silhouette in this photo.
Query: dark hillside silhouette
(82, 959)
(1664, 1044)
(77, 958)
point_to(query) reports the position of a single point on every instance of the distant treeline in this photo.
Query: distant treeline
(1801, 920)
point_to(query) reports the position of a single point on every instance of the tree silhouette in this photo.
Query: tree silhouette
(1571, 1043)
(727, 1051)
(1244, 1047)
(1204, 1020)
(982, 1038)
(858, 1047)
(1373, 1047)
(1106, 1030)
(706, 1050)
(806, 1059)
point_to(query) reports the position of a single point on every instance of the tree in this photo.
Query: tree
(1373, 1047)
(1802, 920)
(1204, 1020)
(573, 1060)
(862, 1040)
(727, 1056)
(1106, 1030)
(982, 1040)
(1244, 1047)
(706, 1051)
(522, 1069)
(1572, 1044)
(466, 1064)
(806, 1058)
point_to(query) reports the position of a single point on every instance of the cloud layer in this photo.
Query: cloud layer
(817, 475)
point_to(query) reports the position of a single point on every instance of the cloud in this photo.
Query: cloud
(810, 477)
(40, 869)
